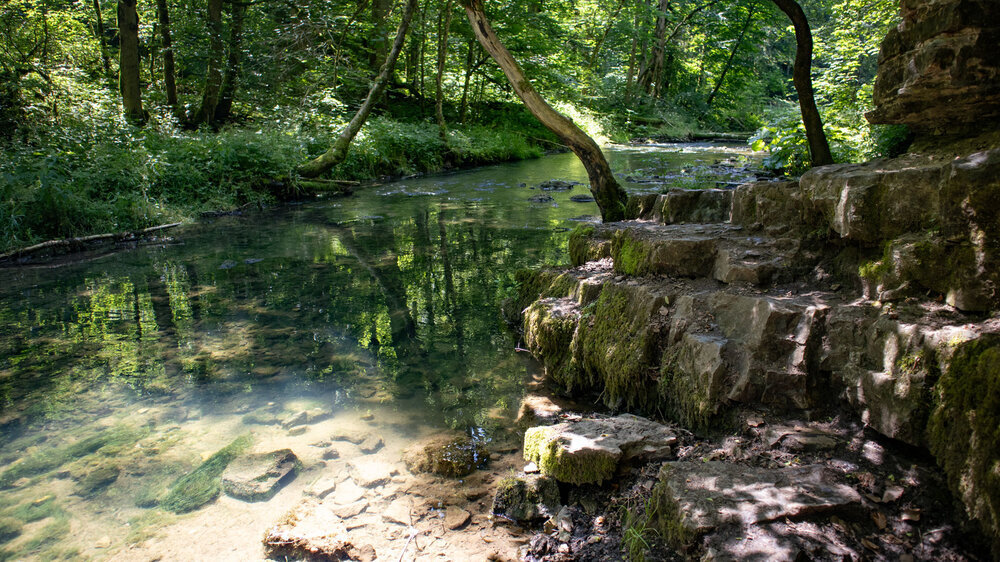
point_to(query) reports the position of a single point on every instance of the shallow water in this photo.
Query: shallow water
(121, 372)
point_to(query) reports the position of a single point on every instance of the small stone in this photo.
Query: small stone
(564, 548)
(531, 468)
(297, 430)
(398, 512)
(892, 493)
(350, 510)
(371, 472)
(455, 517)
(367, 416)
(322, 487)
(594, 539)
(103, 542)
(331, 453)
(347, 492)
(371, 443)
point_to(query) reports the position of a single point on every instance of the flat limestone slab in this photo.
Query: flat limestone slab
(258, 476)
(589, 450)
(311, 532)
(694, 498)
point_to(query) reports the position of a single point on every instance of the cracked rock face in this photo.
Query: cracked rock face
(938, 71)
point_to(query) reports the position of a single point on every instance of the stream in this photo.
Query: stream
(120, 372)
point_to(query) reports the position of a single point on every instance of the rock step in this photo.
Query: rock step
(682, 206)
(686, 345)
(723, 252)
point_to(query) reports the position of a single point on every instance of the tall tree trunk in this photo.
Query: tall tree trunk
(105, 59)
(380, 14)
(338, 152)
(631, 58)
(604, 36)
(442, 59)
(469, 57)
(659, 50)
(819, 149)
(169, 74)
(609, 194)
(732, 56)
(228, 91)
(213, 75)
(128, 61)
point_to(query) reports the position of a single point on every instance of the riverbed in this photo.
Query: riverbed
(121, 371)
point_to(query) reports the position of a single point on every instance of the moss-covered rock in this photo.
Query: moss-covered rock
(202, 485)
(964, 430)
(452, 455)
(679, 250)
(590, 450)
(526, 498)
(587, 243)
(691, 376)
(549, 327)
(258, 476)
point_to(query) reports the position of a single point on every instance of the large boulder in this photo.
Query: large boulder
(526, 498)
(590, 450)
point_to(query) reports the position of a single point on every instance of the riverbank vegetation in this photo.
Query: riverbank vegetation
(117, 117)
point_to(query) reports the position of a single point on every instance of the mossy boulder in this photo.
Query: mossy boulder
(258, 476)
(526, 498)
(590, 450)
(202, 485)
(963, 432)
(677, 250)
(451, 455)
(586, 243)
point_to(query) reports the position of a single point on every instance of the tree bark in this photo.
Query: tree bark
(380, 13)
(442, 59)
(213, 76)
(228, 90)
(607, 192)
(128, 61)
(469, 69)
(169, 74)
(105, 59)
(732, 56)
(338, 152)
(819, 149)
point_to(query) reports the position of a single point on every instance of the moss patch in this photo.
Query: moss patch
(202, 485)
(9, 528)
(682, 398)
(584, 466)
(549, 328)
(964, 430)
(525, 499)
(664, 515)
(51, 459)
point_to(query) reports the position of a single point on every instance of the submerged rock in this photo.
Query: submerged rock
(258, 476)
(695, 498)
(309, 532)
(450, 455)
(304, 417)
(590, 450)
(526, 498)
(97, 479)
(557, 185)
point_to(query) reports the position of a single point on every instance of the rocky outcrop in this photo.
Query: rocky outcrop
(693, 499)
(938, 71)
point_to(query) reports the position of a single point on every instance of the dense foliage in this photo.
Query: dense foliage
(278, 80)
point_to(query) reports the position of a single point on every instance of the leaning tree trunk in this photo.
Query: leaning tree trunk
(338, 152)
(169, 74)
(228, 91)
(442, 59)
(128, 60)
(819, 149)
(213, 76)
(609, 195)
(732, 56)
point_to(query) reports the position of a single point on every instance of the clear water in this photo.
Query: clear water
(382, 309)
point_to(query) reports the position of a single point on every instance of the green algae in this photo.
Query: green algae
(549, 337)
(203, 484)
(10, 528)
(526, 499)
(53, 458)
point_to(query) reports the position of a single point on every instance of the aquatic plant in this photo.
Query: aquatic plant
(203, 484)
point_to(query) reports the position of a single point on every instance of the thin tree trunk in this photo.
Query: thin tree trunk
(442, 59)
(338, 152)
(631, 58)
(213, 76)
(464, 106)
(169, 74)
(380, 13)
(659, 50)
(105, 59)
(732, 56)
(819, 149)
(229, 82)
(128, 61)
(607, 192)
